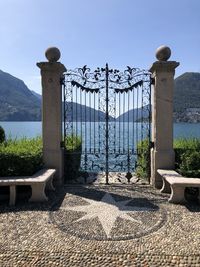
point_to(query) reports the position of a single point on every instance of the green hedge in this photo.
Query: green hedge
(72, 158)
(187, 158)
(20, 157)
(2, 135)
(143, 160)
(24, 157)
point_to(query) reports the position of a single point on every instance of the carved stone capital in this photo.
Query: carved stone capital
(164, 66)
(51, 67)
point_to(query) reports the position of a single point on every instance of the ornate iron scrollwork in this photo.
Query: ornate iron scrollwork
(110, 111)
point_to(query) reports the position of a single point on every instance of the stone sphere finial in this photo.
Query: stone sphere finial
(163, 53)
(52, 54)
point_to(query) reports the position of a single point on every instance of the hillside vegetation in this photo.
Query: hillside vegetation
(17, 102)
(187, 97)
(187, 91)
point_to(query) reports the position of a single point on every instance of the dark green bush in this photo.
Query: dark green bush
(20, 157)
(2, 135)
(143, 159)
(187, 162)
(187, 157)
(72, 158)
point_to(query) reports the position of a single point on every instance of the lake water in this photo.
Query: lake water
(123, 139)
(33, 129)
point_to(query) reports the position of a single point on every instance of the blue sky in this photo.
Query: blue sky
(120, 32)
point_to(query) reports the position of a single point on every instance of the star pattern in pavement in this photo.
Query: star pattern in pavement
(107, 210)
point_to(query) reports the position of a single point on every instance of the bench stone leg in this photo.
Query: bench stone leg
(166, 187)
(38, 193)
(177, 195)
(49, 185)
(12, 195)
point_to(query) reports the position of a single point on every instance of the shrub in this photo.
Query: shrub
(20, 157)
(143, 159)
(187, 162)
(72, 158)
(187, 157)
(2, 135)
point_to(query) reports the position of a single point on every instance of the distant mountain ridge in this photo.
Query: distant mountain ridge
(187, 97)
(135, 115)
(18, 103)
(78, 112)
(37, 95)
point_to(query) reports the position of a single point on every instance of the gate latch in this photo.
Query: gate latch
(152, 80)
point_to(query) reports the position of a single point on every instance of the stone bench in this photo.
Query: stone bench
(38, 182)
(175, 184)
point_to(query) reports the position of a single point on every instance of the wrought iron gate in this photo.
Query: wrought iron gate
(106, 114)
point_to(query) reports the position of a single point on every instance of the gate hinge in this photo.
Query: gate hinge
(62, 144)
(152, 80)
(62, 80)
(151, 144)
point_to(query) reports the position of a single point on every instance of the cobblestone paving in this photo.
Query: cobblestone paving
(145, 230)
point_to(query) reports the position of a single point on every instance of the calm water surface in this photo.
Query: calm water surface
(33, 129)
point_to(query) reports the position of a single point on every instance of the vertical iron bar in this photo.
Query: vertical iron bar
(72, 91)
(90, 122)
(107, 70)
(142, 119)
(150, 121)
(128, 135)
(94, 121)
(137, 119)
(64, 123)
(81, 115)
(119, 123)
(136, 134)
(76, 114)
(85, 136)
(142, 113)
(128, 174)
(99, 128)
(64, 110)
(124, 117)
(115, 141)
(133, 138)
(81, 130)
(70, 111)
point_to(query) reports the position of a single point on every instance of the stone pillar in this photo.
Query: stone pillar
(51, 73)
(162, 154)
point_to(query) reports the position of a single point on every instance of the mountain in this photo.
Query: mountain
(78, 112)
(36, 94)
(187, 97)
(135, 115)
(17, 102)
(186, 101)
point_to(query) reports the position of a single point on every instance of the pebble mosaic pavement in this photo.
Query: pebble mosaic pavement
(56, 233)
